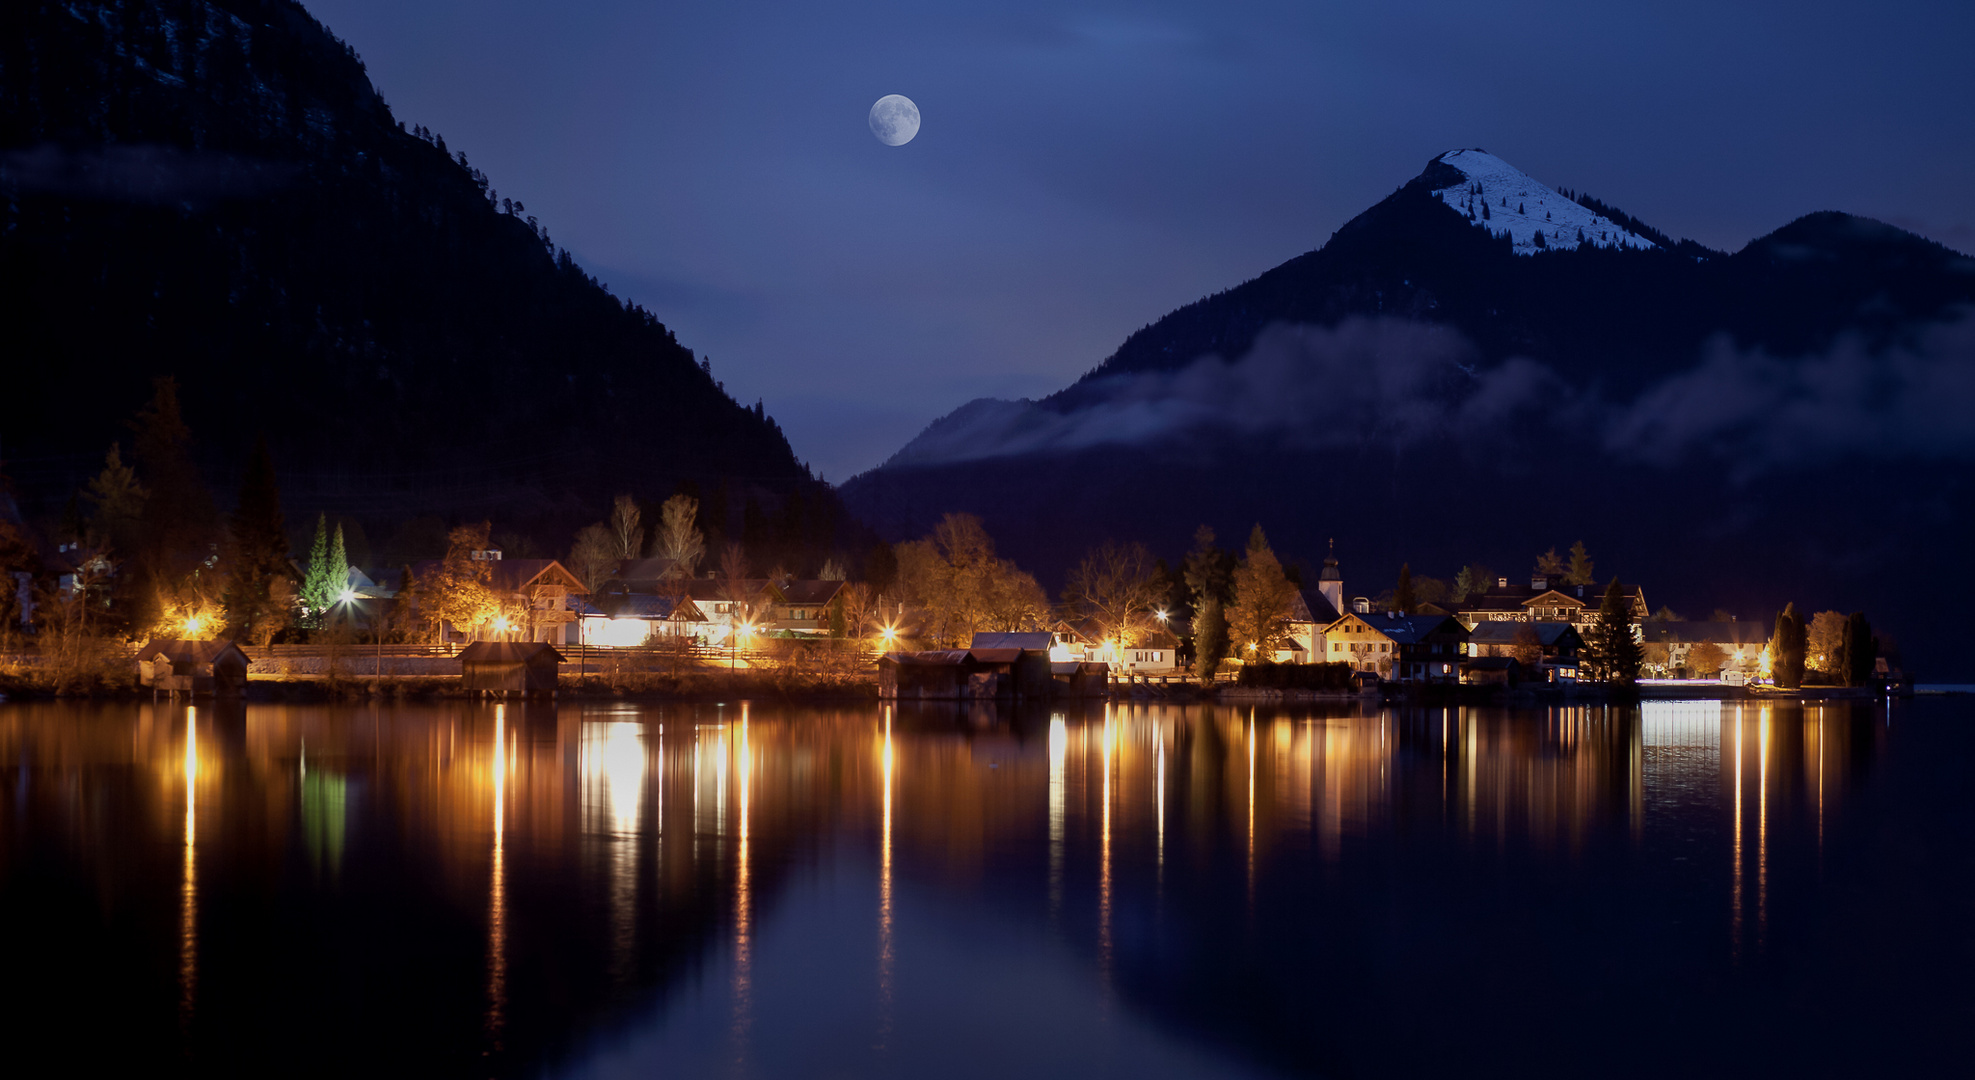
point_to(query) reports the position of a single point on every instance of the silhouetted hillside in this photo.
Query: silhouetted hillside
(214, 190)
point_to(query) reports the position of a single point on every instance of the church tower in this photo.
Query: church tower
(1331, 583)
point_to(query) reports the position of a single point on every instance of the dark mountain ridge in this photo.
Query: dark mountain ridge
(1734, 430)
(212, 189)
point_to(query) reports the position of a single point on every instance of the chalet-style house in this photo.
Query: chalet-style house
(537, 592)
(1406, 648)
(633, 619)
(766, 607)
(1669, 645)
(1083, 642)
(1546, 599)
(1546, 651)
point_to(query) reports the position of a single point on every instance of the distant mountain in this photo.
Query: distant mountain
(213, 189)
(1436, 386)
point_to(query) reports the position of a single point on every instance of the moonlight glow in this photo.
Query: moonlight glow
(894, 119)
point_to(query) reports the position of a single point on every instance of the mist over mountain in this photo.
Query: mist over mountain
(1437, 386)
(212, 189)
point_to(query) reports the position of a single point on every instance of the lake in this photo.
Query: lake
(700, 890)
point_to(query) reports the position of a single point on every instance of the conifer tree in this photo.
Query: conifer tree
(258, 546)
(1856, 651)
(339, 566)
(1403, 599)
(316, 591)
(1579, 570)
(1210, 637)
(1616, 654)
(1787, 649)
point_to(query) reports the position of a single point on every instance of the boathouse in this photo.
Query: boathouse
(509, 667)
(195, 668)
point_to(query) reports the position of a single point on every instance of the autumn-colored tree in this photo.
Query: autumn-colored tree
(460, 591)
(626, 534)
(1526, 646)
(1115, 585)
(1705, 659)
(736, 588)
(955, 578)
(857, 600)
(1258, 621)
(1826, 635)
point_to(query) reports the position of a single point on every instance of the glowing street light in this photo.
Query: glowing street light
(346, 596)
(192, 627)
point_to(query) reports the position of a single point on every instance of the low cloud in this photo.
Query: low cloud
(1758, 413)
(1393, 384)
(1367, 382)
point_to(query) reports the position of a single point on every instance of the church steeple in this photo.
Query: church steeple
(1330, 582)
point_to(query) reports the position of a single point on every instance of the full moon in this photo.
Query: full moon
(894, 119)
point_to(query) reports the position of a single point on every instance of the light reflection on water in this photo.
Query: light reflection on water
(1159, 890)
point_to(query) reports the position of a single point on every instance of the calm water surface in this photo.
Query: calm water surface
(744, 890)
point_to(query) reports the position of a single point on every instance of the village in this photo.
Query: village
(949, 621)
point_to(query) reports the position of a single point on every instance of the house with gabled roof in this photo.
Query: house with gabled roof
(630, 619)
(1545, 599)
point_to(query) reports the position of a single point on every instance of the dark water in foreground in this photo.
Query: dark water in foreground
(739, 891)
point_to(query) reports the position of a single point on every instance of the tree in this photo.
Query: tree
(1787, 647)
(1464, 585)
(679, 538)
(1526, 646)
(1579, 570)
(627, 535)
(339, 566)
(1705, 659)
(1856, 651)
(735, 586)
(1827, 635)
(1403, 599)
(1208, 571)
(857, 600)
(117, 502)
(1258, 621)
(1210, 638)
(1116, 586)
(594, 555)
(1615, 654)
(832, 571)
(318, 585)
(1549, 565)
(955, 577)
(257, 547)
(460, 591)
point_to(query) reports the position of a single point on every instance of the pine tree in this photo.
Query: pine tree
(1579, 571)
(1485, 215)
(316, 592)
(339, 567)
(1788, 647)
(1616, 653)
(1856, 651)
(1210, 637)
(1403, 599)
(258, 546)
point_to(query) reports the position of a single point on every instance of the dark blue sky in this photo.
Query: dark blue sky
(1086, 167)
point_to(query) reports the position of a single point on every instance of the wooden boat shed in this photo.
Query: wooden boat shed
(195, 668)
(509, 667)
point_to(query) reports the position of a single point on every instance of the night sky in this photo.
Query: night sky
(1086, 167)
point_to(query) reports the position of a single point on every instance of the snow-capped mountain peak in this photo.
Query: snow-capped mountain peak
(1501, 198)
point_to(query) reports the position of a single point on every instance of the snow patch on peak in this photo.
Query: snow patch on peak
(1503, 199)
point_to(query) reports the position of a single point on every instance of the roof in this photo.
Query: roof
(1502, 632)
(929, 657)
(716, 589)
(1693, 633)
(1036, 640)
(998, 656)
(1409, 629)
(507, 652)
(647, 606)
(1311, 608)
(180, 651)
(513, 575)
(813, 591)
